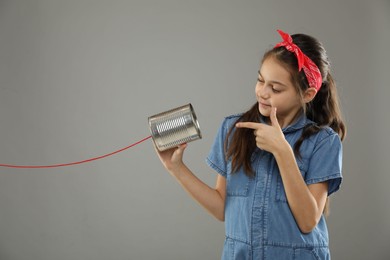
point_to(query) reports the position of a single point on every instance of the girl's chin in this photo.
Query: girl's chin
(265, 111)
(265, 114)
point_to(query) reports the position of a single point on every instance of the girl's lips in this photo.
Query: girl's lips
(264, 105)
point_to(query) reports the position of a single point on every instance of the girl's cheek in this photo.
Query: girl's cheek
(257, 91)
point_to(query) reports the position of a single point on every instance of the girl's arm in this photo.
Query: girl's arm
(212, 199)
(306, 202)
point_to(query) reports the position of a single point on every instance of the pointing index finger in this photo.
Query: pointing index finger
(250, 125)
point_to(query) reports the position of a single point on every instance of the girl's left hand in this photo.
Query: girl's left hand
(172, 158)
(268, 137)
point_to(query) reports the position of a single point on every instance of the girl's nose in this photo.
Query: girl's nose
(262, 92)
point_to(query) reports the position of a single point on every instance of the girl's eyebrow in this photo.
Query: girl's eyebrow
(273, 81)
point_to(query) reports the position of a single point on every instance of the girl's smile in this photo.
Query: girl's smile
(264, 105)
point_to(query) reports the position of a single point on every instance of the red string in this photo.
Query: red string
(73, 163)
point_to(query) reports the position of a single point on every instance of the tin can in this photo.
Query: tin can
(174, 127)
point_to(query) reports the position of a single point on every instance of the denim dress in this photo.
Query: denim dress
(258, 221)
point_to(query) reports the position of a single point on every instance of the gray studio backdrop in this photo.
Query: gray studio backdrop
(79, 78)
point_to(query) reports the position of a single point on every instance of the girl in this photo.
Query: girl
(278, 162)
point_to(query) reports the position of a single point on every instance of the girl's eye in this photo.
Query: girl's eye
(260, 80)
(275, 90)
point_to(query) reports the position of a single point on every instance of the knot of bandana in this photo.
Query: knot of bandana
(310, 69)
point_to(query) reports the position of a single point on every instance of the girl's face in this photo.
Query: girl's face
(274, 88)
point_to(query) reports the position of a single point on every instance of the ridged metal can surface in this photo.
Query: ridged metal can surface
(174, 127)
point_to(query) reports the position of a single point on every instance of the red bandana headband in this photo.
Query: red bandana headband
(311, 70)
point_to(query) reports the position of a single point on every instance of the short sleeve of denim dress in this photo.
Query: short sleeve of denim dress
(216, 158)
(258, 221)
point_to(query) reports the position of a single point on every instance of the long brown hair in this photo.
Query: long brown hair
(324, 109)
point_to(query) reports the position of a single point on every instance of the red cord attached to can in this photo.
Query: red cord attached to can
(73, 163)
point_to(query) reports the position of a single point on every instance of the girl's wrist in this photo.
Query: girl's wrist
(282, 150)
(177, 169)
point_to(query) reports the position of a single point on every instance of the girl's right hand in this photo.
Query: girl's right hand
(172, 159)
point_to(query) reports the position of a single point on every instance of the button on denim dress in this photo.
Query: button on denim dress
(258, 221)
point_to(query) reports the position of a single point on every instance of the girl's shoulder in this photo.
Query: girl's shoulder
(325, 133)
(234, 116)
(321, 145)
(228, 121)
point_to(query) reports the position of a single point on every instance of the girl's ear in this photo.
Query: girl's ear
(309, 94)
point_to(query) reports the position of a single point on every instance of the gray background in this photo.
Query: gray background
(79, 78)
